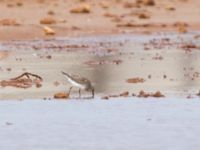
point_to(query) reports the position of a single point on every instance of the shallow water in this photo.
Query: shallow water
(108, 61)
(114, 124)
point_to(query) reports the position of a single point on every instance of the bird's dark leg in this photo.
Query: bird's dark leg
(70, 89)
(79, 93)
(92, 93)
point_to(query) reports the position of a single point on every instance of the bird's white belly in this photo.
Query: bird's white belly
(76, 84)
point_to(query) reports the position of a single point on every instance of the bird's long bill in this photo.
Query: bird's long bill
(92, 93)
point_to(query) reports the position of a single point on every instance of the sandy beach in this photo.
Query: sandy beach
(141, 56)
(121, 46)
(25, 19)
(115, 64)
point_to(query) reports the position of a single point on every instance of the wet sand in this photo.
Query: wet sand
(167, 62)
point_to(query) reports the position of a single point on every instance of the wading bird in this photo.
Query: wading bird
(80, 82)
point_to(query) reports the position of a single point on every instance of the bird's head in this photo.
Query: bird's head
(92, 89)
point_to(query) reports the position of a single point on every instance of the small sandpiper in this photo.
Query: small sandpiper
(80, 82)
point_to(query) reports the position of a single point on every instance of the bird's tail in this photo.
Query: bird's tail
(66, 74)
